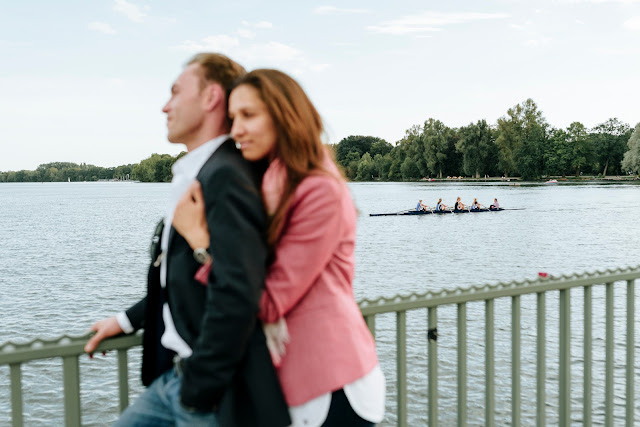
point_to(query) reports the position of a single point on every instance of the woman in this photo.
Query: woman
(440, 206)
(327, 365)
(475, 205)
(459, 206)
(495, 204)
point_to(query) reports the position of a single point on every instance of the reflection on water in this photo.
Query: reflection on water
(72, 253)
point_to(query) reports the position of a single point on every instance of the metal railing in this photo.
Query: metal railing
(71, 348)
(431, 301)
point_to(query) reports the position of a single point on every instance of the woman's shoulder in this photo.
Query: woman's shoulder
(321, 184)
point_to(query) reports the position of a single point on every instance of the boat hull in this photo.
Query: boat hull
(437, 212)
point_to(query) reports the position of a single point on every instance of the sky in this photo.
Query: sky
(85, 81)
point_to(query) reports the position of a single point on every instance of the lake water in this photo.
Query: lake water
(72, 253)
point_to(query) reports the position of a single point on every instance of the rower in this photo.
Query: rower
(421, 206)
(475, 206)
(495, 204)
(440, 206)
(459, 206)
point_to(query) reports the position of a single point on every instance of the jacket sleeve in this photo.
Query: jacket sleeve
(306, 246)
(136, 314)
(236, 224)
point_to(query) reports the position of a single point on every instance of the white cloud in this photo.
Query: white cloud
(101, 27)
(245, 34)
(252, 54)
(278, 51)
(231, 46)
(319, 67)
(516, 26)
(632, 24)
(221, 43)
(537, 42)
(130, 10)
(261, 25)
(9, 43)
(431, 21)
(579, 22)
(332, 10)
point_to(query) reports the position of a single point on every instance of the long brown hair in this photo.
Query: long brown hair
(298, 127)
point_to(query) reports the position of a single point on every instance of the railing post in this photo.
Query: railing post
(588, 357)
(630, 416)
(515, 361)
(564, 367)
(490, 372)
(123, 379)
(541, 366)
(71, 375)
(432, 322)
(462, 364)
(16, 395)
(401, 345)
(608, 359)
(371, 324)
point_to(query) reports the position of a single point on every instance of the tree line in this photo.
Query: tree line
(156, 168)
(521, 143)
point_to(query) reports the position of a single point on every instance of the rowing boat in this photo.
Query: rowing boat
(434, 212)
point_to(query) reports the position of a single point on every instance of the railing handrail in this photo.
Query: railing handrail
(74, 345)
(66, 345)
(492, 291)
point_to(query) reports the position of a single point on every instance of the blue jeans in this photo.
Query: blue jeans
(160, 405)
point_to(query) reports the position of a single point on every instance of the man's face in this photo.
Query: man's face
(185, 109)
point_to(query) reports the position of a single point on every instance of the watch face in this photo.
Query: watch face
(201, 255)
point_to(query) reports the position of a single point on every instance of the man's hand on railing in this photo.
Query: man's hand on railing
(104, 328)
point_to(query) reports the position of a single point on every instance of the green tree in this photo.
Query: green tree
(557, 153)
(365, 168)
(381, 147)
(409, 169)
(382, 165)
(477, 146)
(355, 143)
(397, 158)
(580, 149)
(351, 166)
(437, 143)
(521, 140)
(609, 142)
(156, 168)
(631, 160)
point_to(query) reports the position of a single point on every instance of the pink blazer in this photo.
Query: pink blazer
(310, 285)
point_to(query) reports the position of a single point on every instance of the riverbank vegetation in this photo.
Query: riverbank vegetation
(520, 144)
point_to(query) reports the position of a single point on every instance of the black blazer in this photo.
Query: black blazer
(230, 369)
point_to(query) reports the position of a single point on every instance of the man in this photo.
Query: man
(421, 206)
(205, 360)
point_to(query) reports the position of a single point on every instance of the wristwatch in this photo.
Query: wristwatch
(201, 255)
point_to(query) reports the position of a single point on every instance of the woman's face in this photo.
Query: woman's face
(253, 127)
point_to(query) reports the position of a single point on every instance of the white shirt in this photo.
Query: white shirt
(366, 396)
(184, 171)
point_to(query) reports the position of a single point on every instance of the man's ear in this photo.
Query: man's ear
(213, 96)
